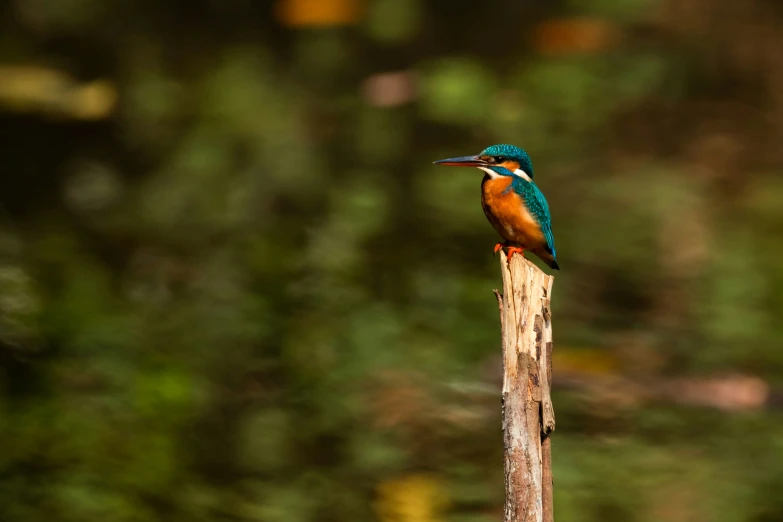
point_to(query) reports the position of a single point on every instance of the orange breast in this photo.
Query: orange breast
(506, 211)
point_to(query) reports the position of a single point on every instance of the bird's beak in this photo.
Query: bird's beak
(463, 161)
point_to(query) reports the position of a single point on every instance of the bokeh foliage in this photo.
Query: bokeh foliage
(233, 286)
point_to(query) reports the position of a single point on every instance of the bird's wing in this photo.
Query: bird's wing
(539, 209)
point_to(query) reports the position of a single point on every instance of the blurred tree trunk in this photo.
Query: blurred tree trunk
(528, 417)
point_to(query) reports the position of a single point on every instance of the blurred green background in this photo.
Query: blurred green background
(233, 287)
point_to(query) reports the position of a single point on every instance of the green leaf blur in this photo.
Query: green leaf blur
(233, 287)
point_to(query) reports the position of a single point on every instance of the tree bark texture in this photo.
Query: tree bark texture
(528, 417)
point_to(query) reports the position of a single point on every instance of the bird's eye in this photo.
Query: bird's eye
(499, 159)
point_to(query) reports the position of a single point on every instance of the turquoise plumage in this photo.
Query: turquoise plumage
(513, 152)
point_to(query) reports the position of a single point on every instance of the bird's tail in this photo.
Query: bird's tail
(550, 260)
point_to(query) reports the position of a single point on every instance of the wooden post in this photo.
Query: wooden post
(528, 417)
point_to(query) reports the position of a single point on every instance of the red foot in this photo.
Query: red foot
(513, 250)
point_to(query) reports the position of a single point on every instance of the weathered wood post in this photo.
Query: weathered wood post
(528, 417)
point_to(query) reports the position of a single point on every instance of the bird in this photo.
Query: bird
(512, 202)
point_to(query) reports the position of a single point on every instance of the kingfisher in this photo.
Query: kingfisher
(512, 202)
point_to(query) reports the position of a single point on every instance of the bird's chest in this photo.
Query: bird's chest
(506, 211)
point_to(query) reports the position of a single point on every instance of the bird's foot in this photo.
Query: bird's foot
(513, 250)
(510, 250)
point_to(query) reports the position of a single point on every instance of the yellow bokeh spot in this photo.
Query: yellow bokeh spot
(54, 92)
(584, 361)
(93, 101)
(412, 498)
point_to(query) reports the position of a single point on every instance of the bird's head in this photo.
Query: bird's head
(497, 160)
